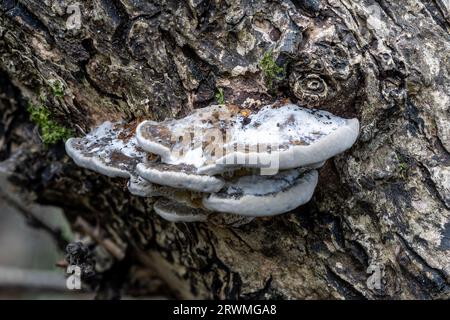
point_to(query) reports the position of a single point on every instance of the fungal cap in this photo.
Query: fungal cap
(177, 212)
(264, 195)
(333, 144)
(104, 152)
(74, 150)
(156, 147)
(179, 176)
(311, 137)
(296, 137)
(141, 187)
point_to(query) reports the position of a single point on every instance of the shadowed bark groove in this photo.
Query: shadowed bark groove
(384, 204)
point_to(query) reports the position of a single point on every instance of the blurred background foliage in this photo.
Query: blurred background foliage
(29, 256)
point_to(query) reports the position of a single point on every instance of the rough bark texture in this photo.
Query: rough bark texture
(385, 203)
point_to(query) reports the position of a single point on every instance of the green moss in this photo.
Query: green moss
(403, 165)
(270, 69)
(51, 132)
(57, 89)
(220, 98)
(403, 169)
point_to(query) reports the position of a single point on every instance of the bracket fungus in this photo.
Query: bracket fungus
(279, 138)
(179, 176)
(177, 212)
(111, 149)
(208, 161)
(264, 195)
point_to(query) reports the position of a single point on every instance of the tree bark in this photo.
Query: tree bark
(380, 211)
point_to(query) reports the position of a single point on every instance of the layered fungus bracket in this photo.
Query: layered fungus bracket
(221, 159)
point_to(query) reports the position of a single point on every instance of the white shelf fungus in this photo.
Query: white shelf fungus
(264, 195)
(215, 138)
(111, 149)
(176, 212)
(207, 161)
(179, 176)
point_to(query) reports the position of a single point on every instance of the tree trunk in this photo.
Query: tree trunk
(378, 226)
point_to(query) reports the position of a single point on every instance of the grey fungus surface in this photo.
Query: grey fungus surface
(140, 187)
(176, 212)
(105, 151)
(264, 195)
(208, 161)
(179, 176)
(292, 135)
